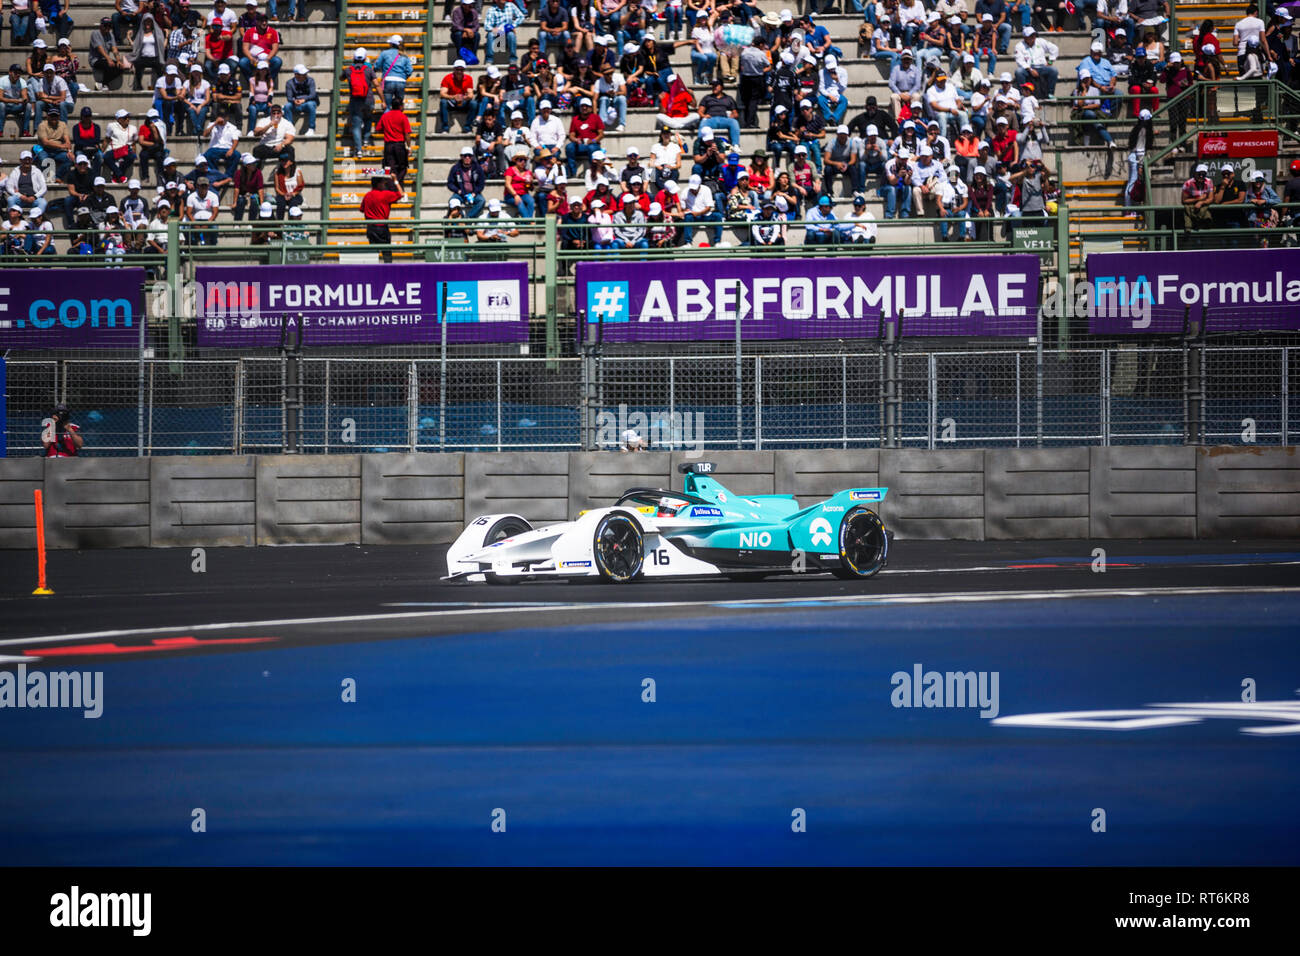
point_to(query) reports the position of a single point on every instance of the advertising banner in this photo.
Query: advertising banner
(823, 297)
(372, 304)
(1237, 144)
(71, 308)
(1240, 290)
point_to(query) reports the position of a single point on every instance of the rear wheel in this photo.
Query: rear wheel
(504, 528)
(864, 546)
(618, 547)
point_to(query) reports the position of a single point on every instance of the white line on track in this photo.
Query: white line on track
(755, 603)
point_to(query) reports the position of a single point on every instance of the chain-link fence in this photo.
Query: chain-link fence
(761, 395)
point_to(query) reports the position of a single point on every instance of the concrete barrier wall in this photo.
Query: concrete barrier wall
(408, 499)
(209, 501)
(1005, 493)
(19, 477)
(1247, 492)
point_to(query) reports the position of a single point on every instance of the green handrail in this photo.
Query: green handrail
(331, 146)
(429, 20)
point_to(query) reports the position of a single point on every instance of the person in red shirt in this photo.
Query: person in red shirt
(220, 48)
(457, 94)
(377, 206)
(585, 133)
(1005, 147)
(261, 43)
(605, 195)
(636, 189)
(396, 130)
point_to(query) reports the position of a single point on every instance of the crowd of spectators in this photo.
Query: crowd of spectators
(215, 77)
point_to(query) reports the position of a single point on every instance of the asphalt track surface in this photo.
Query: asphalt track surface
(222, 691)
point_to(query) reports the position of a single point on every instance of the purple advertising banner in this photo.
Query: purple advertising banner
(378, 304)
(1236, 290)
(822, 297)
(71, 308)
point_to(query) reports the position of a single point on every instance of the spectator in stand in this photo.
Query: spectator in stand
(261, 90)
(1228, 192)
(572, 236)
(700, 206)
(197, 96)
(496, 226)
(860, 227)
(809, 126)
(54, 144)
(465, 29)
(220, 11)
(841, 160)
(519, 187)
(289, 186)
(514, 139)
(396, 131)
(105, 60)
(276, 136)
(66, 66)
(393, 68)
(169, 97)
(184, 42)
(360, 80)
(466, 181)
(153, 145)
(653, 59)
(13, 238)
(25, 188)
(377, 207)
(767, 226)
(1177, 78)
(832, 91)
(585, 134)
(228, 95)
(904, 80)
(202, 209)
(219, 50)
(301, 99)
(52, 92)
(1248, 29)
(223, 144)
(40, 235)
(611, 104)
(1261, 203)
(719, 111)
(1198, 193)
(17, 103)
(755, 72)
(262, 43)
(135, 208)
(552, 25)
(156, 238)
(22, 24)
(56, 17)
(147, 50)
(295, 12)
(119, 140)
(896, 189)
(819, 229)
(676, 106)
(500, 22)
(457, 96)
(1034, 59)
(80, 184)
(629, 226)
(250, 188)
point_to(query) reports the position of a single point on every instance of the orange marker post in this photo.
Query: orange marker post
(41, 588)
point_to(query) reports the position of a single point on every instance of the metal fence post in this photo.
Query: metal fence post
(328, 417)
(551, 259)
(1286, 394)
(933, 396)
(498, 404)
(143, 324)
(1193, 384)
(1105, 397)
(758, 403)
(240, 384)
(890, 383)
(442, 367)
(844, 400)
(412, 406)
(586, 397)
(672, 405)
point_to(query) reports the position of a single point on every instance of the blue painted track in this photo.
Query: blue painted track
(757, 713)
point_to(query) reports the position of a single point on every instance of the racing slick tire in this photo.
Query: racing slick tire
(500, 530)
(864, 545)
(618, 547)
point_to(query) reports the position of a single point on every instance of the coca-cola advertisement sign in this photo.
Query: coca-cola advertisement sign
(1237, 145)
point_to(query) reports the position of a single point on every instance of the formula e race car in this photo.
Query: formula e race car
(702, 530)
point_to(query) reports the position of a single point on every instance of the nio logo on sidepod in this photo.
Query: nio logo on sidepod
(821, 531)
(752, 540)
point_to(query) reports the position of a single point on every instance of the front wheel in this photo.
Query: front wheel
(864, 545)
(504, 528)
(618, 547)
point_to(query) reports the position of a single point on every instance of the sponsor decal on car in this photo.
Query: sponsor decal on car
(701, 511)
(830, 508)
(575, 564)
(821, 532)
(864, 496)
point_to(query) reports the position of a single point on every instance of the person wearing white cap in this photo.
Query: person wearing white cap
(301, 99)
(1261, 202)
(585, 134)
(457, 96)
(832, 90)
(496, 225)
(1198, 194)
(1088, 106)
(842, 158)
(155, 239)
(1140, 138)
(1101, 70)
(196, 98)
(700, 206)
(1034, 59)
(629, 224)
(394, 67)
(119, 157)
(1178, 77)
(466, 181)
(25, 188)
(500, 21)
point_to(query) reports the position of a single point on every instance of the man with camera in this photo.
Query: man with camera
(377, 206)
(61, 438)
